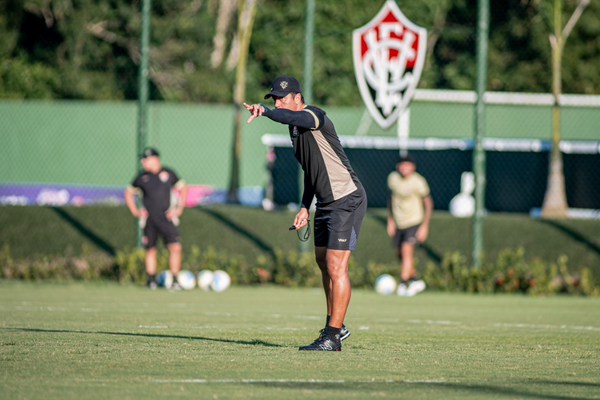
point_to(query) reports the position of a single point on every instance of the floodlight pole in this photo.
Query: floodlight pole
(307, 86)
(483, 23)
(143, 91)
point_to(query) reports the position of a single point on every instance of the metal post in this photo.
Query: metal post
(483, 23)
(404, 131)
(307, 85)
(143, 90)
(309, 31)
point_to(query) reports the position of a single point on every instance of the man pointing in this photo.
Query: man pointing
(341, 199)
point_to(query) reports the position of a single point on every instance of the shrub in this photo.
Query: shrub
(84, 267)
(509, 273)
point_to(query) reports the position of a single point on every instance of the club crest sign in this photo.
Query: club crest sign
(389, 53)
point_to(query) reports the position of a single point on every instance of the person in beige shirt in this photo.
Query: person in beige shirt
(409, 211)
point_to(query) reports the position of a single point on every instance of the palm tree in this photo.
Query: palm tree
(555, 199)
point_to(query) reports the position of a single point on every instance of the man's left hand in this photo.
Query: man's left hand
(301, 218)
(172, 213)
(422, 233)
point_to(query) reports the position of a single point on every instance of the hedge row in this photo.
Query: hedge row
(510, 273)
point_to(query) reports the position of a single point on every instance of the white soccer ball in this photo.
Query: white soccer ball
(205, 279)
(186, 279)
(385, 284)
(165, 279)
(221, 281)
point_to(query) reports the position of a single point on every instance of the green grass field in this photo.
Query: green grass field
(98, 341)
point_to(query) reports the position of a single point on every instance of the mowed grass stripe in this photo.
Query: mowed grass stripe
(243, 343)
(266, 328)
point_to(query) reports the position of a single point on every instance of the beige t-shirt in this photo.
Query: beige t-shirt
(407, 198)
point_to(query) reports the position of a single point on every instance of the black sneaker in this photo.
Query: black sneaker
(323, 343)
(345, 333)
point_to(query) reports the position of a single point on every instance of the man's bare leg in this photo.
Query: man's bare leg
(337, 269)
(321, 257)
(406, 255)
(151, 261)
(174, 257)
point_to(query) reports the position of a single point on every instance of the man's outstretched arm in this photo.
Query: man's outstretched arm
(304, 119)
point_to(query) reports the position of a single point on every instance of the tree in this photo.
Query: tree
(555, 199)
(88, 49)
(246, 12)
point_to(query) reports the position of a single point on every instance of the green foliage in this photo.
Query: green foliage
(20, 79)
(84, 267)
(90, 49)
(510, 273)
(129, 265)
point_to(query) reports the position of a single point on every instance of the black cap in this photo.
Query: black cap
(284, 85)
(149, 152)
(406, 158)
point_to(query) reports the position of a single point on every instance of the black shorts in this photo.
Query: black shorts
(337, 224)
(165, 228)
(406, 235)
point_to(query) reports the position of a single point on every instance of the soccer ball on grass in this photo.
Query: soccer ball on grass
(165, 279)
(221, 281)
(186, 279)
(385, 284)
(205, 278)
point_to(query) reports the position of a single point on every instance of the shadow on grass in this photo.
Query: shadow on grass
(568, 383)
(573, 234)
(437, 389)
(85, 231)
(254, 342)
(239, 229)
(430, 251)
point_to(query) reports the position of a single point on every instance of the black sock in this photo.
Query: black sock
(151, 278)
(409, 280)
(333, 333)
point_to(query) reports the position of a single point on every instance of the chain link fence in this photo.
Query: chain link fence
(79, 153)
(71, 152)
(82, 152)
(441, 122)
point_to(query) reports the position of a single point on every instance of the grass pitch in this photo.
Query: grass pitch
(98, 341)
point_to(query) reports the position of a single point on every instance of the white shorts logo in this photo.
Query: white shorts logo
(342, 240)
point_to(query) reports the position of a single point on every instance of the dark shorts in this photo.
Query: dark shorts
(165, 228)
(337, 224)
(406, 235)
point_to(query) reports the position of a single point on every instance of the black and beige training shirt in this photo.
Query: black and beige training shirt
(327, 171)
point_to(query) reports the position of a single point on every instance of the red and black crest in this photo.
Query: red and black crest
(389, 53)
